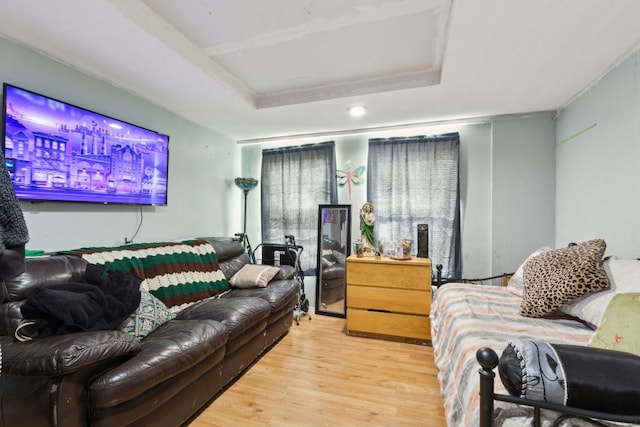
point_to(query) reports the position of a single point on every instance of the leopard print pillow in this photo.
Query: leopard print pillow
(553, 278)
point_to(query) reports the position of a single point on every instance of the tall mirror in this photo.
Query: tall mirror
(334, 246)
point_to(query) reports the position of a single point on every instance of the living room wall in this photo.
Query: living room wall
(203, 200)
(507, 171)
(597, 166)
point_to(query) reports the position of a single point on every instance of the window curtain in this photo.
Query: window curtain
(415, 181)
(295, 180)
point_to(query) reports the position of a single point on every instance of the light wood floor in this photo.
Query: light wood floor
(319, 376)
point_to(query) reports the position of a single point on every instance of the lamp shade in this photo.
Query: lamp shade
(246, 184)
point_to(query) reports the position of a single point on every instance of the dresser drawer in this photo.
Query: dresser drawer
(392, 324)
(413, 274)
(389, 299)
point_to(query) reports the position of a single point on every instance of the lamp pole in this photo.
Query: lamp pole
(246, 185)
(244, 230)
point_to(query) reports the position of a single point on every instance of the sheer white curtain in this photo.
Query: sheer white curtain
(415, 181)
(294, 181)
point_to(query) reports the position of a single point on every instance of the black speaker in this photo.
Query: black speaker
(423, 240)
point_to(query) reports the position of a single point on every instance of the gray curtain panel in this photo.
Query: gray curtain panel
(294, 181)
(413, 181)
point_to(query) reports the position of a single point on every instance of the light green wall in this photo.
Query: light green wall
(523, 182)
(506, 169)
(598, 174)
(202, 165)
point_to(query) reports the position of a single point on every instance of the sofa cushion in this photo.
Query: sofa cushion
(278, 293)
(578, 376)
(231, 255)
(253, 276)
(624, 277)
(286, 272)
(555, 277)
(150, 314)
(236, 314)
(171, 349)
(177, 273)
(619, 328)
(243, 318)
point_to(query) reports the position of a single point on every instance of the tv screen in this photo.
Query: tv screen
(56, 151)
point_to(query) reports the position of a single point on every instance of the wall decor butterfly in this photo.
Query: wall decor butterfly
(350, 175)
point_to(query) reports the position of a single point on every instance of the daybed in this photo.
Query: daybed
(467, 317)
(211, 333)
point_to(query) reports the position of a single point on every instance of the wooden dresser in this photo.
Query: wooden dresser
(389, 297)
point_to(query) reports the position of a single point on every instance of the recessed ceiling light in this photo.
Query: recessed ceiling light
(358, 110)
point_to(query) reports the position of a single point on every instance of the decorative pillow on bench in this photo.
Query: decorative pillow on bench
(578, 376)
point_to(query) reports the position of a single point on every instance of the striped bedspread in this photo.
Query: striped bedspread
(465, 317)
(177, 273)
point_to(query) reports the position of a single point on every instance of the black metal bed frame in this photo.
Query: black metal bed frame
(488, 360)
(439, 281)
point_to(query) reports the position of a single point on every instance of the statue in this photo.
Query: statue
(367, 221)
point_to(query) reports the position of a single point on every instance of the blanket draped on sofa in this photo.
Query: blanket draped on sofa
(100, 302)
(177, 273)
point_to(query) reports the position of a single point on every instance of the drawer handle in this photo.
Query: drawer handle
(378, 310)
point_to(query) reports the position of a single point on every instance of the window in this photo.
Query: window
(295, 180)
(415, 181)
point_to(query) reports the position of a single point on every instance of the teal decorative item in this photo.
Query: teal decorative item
(246, 184)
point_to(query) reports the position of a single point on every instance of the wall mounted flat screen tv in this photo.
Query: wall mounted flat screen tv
(56, 151)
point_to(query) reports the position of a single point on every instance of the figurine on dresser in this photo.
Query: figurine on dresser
(367, 222)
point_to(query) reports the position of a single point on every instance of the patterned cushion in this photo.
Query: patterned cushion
(177, 273)
(624, 277)
(553, 278)
(150, 314)
(619, 328)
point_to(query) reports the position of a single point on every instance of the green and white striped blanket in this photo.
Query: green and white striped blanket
(177, 273)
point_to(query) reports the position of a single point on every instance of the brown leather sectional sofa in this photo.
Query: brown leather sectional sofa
(108, 378)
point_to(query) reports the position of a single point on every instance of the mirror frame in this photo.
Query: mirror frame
(347, 246)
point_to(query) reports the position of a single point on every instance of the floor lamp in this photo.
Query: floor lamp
(246, 185)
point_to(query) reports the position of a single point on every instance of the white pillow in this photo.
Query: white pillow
(254, 276)
(624, 277)
(516, 282)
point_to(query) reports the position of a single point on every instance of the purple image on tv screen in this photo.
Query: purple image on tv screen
(56, 151)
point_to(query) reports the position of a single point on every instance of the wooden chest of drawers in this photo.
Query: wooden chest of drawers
(389, 297)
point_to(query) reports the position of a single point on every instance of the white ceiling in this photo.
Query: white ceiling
(255, 69)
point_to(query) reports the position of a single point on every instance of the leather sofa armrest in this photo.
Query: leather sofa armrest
(64, 354)
(287, 272)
